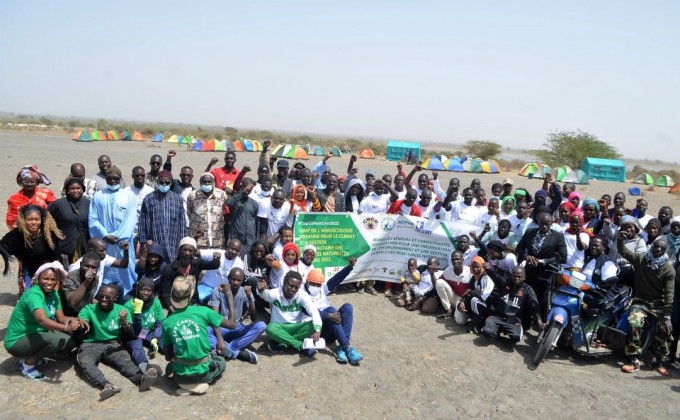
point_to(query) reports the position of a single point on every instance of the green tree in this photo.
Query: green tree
(74, 123)
(571, 147)
(46, 121)
(482, 149)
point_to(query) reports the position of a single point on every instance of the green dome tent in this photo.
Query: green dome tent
(318, 151)
(644, 179)
(664, 181)
(562, 171)
(335, 150)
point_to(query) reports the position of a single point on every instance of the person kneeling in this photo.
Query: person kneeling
(288, 325)
(109, 324)
(506, 310)
(337, 323)
(185, 339)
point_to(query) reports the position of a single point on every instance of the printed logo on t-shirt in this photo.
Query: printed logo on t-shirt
(114, 325)
(185, 330)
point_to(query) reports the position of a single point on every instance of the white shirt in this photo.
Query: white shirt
(461, 211)
(575, 257)
(213, 278)
(106, 262)
(374, 203)
(276, 218)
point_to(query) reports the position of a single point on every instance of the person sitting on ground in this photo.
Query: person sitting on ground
(506, 309)
(186, 265)
(80, 286)
(654, 288)
(306, 263)
(424, 292)
(290, 309)
(503, 234)
(185, 339)
(279, 268)
(147, 322)
(473, 302)
(336, 323)
(241, 336)
(151, 264)
(452, 285)
(99, 246)
(109, 324)
(410, 277)
(213, 278)
(38, 327)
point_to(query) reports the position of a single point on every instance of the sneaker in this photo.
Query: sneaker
(148, 379)
(30, 371)
(340, 355)
(275, 346)
(108, 392)
(372, 290)
(252, 357)
(188, 389)
(388, 293)
(360, 290)
(354, 356)
(310, 353)
(631, 367)
(153, 349)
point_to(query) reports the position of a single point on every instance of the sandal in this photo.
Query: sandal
(631, 367)
(445, 315)
(413, 307)
(675, 365)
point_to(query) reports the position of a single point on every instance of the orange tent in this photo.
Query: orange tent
(238, 146)
(138, 136)
(675, 189)
(367, 154)
(300, 153)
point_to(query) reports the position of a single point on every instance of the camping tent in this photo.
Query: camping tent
(126, 135)
(453, 165)
(291, 151)
(604, 169)
(397, 150)
(473, 165)
(534, 170)
(318, 151)
(577, 176)
(82, 136)
(675, 188)
(203, 146)
(227, 145)
(138, 136)
(247, 145)
(257, 145)
(644, 179)
(664, 181)
(433, 164)
(367, 154)
(186, 140)
(561, 172)
(174, 139)
(335, 150)
(238, 146)
(158, 137)
(113, 135)
(99, 136)
(490, 166)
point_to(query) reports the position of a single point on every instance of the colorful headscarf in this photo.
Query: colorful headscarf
(302, 204)
(479, 260)
(54, 265)
(591, 202)
(575, 194)
(32, 171)
(288, 247)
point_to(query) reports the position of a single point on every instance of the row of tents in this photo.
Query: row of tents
(646, 179)
(108, 135)
(561, 174)
(458, 164)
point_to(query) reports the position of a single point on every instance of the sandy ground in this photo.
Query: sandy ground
(416, 366)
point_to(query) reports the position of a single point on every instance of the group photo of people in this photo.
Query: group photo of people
(198, 266)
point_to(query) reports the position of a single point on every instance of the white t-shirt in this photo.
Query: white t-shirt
(461, 211)
(374, 203)
(213, 278)
(575, 257)
(276, 218)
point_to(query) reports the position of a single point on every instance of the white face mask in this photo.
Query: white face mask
(266, 193)
(314, 291)
(113, 187)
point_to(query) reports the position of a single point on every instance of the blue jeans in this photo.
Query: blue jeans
(136, 348)
(239, 337)
(330, 331)
(204, 293)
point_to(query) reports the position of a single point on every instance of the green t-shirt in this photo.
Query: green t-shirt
(149, 316)
(104, 326)
(186, 331)
(22, 322)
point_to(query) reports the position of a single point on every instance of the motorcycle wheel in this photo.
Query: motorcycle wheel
(545, 346)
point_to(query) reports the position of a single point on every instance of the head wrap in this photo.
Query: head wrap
(113, 170)
(496, 245)
(577, 195)
(32, 171)
(630, 220)
(567, 205)
(315, 276)
(309, 247)
(300, 203)
(479, 260)
(541, 193)
(591, 202)
(54, 265)
(208, 174)
(505, 200)
(144, 281)
(288, 247)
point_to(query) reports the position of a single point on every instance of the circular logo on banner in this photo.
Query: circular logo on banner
(370, 223)
(387, 224)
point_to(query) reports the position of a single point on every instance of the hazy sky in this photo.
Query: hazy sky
(507, 71)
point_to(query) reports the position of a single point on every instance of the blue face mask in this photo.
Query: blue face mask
(113, 187)
(207, 188)
(266, 193)
(163, 188)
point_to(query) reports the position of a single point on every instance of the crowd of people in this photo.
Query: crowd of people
(198, 273)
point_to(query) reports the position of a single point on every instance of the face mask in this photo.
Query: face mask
(314, 291)
(113, 187)
(374, 194)
(163, 188)
(207, 188)
(266, 193)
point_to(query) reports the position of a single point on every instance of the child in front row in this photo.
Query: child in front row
(147, 322)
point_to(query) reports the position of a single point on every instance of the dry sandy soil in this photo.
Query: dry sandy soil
(416, 366)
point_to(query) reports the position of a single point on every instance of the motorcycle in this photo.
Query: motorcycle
(590, 331)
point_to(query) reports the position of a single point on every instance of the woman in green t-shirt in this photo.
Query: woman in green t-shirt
(38, 327)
